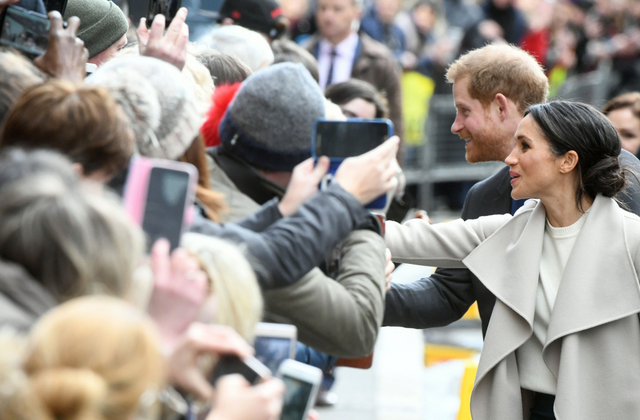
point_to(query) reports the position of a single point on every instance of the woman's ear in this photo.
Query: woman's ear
(569, 162)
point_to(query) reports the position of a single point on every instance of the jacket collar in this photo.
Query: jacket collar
(244, 177)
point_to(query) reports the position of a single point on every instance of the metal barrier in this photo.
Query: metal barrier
(441, 158)
(591, 88)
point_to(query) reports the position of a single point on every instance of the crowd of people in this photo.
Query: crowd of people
(99, 322)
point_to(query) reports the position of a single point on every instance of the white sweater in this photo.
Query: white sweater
(556, 248)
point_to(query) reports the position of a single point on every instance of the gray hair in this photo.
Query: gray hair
(74, 242)
(248, 46)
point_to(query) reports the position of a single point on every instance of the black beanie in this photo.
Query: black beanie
(257, 15)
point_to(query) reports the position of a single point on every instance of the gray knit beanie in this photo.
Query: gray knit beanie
(164, 114)
(270, 121)
(102, 23)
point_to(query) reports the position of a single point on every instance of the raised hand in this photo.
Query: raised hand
(170, 46)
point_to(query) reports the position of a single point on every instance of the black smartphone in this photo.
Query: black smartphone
(339, 140)
(24, 30)
(250, 368)
(59, 5)
(168, 8)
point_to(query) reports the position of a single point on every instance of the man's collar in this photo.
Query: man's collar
(346, 46)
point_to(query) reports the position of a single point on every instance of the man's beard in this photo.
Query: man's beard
(488, 144)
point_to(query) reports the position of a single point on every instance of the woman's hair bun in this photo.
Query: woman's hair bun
(605, 177)
(70, 394)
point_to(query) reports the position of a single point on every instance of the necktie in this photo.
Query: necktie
(330, 75)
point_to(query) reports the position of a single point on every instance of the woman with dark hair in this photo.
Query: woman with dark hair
(358, 99)
(624, 113)
(564, 336)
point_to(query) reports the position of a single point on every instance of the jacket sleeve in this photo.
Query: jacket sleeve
(434, 301)
(262, 219)
(442, 244)
(339, 317)
(287, 249)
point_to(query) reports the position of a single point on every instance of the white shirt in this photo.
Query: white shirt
(343, 62)
(556, 249)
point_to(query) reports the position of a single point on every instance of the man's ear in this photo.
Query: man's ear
(569, 162)
(78, 169)
(502, 105)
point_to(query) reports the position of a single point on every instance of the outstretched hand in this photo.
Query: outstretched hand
(170, 47)
(303, 184)
(372, 174)
(236, 399)
(179, 288)
(182, 365)
(66, 57)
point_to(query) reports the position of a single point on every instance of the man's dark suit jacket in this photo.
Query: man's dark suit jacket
(375, 64)
(447, 294)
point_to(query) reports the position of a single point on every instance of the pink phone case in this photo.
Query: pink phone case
(137, 185)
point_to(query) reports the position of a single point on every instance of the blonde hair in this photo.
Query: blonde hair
(506, 69)
(73, 241)
(94, 358)
(231, 280)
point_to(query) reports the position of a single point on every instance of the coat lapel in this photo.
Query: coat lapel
(514, 248)
(594, 292)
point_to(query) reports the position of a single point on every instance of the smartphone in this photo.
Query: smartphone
(59, 5)
(275, 343)
(168, 8)
(24, 30)
(250, 368)
(339, 140)
(302, 383)
(158, 194)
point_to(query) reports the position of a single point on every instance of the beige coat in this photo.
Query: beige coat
(593, 340)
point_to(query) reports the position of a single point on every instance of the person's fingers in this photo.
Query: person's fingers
(386, 150)
(321, 168)
(160, 262)
(143, 32)
(55, 22)
(85, 53)
(233, 381)
(217, 339)
(73, 24)
(175, 27)
(157, 28)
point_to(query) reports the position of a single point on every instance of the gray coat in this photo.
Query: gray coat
(593, 339)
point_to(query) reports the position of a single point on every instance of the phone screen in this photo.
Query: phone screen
(25, 30)
(343, 139)
(168, 8)
(272, 351)
(296, 398)
(164, 208)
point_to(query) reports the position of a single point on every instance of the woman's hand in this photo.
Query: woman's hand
(66, 57)
(179, 289)
(372, 174)
(182, 364)
(303, 185)
(236, 399)
(170, 47)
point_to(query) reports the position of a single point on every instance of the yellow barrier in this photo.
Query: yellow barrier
(468, 378)
(436, 353)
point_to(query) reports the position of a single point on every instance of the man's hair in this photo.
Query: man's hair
(16, 75)
(224, 68)
(287, 51)
(504, 69)
(344, 92)
(83, 122)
